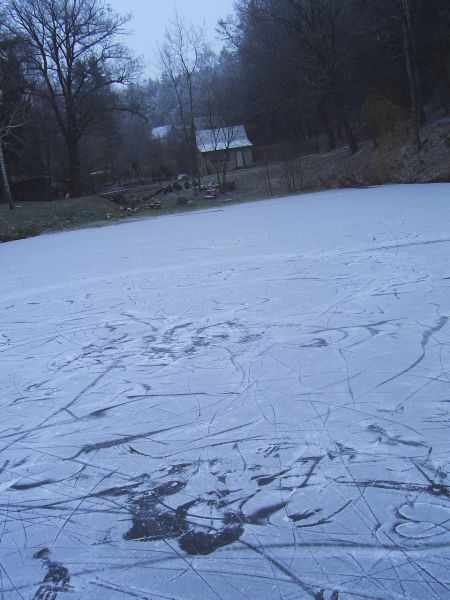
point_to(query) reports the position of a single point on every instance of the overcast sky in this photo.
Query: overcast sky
(150, 17)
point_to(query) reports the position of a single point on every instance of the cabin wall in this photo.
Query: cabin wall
(238, 158)
(248, 157)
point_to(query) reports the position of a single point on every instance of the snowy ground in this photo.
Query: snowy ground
(249, 402)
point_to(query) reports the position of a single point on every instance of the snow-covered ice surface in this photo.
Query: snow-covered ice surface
(249, 402)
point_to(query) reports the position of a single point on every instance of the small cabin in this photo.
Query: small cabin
(224, 144)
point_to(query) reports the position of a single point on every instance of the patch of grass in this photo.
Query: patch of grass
(32, 218)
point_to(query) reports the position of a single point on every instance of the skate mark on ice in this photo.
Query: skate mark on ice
(56, 580)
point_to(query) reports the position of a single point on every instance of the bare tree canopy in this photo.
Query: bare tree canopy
(182, 55)
(72, 51)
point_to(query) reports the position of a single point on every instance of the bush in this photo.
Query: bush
(380, 116)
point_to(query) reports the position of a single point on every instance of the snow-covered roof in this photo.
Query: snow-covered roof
(160, 133)
(213, 140)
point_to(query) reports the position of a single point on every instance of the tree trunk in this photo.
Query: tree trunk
(411, 69)
(224, 174)
(194, 149)
(6, 188)
(75, 185)
(327, 128)
(348, 130)
(217, 170)
(268, 180)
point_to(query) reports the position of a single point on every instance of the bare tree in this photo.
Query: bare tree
(12, 106)
(72, 51)
(181, 56)
(316, 24)
(394, 24)
(8, 124)
(407, 21)
(217, 142)
(5, 129)
(219, 131)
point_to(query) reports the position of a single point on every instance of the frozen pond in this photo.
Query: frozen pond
(249, 402)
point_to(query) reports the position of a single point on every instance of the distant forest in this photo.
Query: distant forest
(301, 75)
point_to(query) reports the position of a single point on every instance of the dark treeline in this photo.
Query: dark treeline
(300, 74)
(340, 66)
